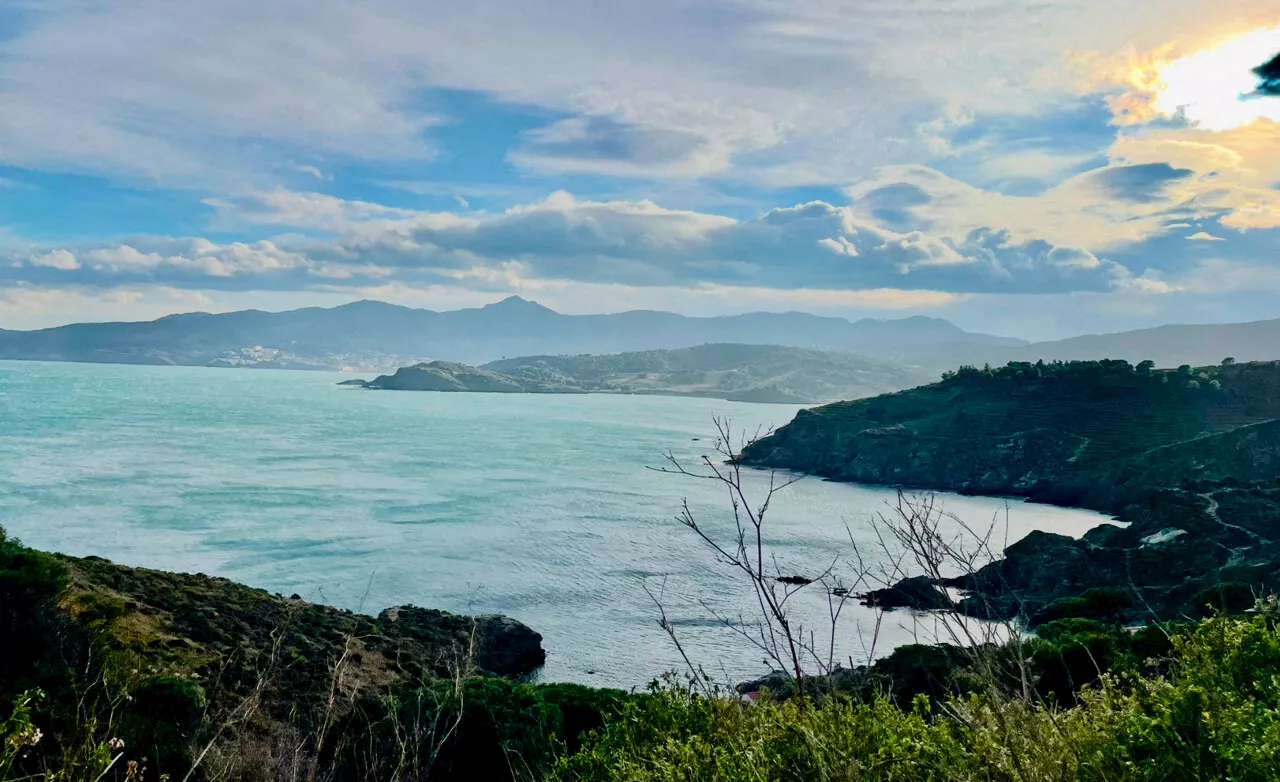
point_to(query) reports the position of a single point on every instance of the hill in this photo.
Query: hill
(1008, 429)
(748, 373)
(382, 336)
(1190, 456)
(451, 376)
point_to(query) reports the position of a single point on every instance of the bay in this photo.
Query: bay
(538, 507)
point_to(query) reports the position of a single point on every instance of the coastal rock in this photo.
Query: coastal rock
(508, 647)
(918, 593)
(777, 682)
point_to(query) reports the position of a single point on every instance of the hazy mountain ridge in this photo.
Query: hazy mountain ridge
(364, 330)
(1167, 346)
(371, 335)
(754, 373)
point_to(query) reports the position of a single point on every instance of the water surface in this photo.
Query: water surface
(540, 507)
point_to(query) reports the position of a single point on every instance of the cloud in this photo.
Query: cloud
(30, 307)
(816, 245)
(55, 259)
(1144, 183)
(605, 146)
(1207, 79)
(1202, 236)
(315, 172)
(811, 91)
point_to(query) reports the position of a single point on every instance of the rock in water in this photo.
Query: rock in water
(918, 593)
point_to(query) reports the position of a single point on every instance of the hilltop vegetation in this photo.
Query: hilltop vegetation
(1189, 456)
(747, 373)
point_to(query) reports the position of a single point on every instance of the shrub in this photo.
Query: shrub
(1215, 716)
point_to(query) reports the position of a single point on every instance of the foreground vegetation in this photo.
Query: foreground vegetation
(1214, 713)
(1085, 699)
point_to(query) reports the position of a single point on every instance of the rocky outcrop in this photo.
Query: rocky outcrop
(210, 628)
(496, 644)
(917, 593)
(1190, 458)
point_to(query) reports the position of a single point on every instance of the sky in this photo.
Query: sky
(1035, 168)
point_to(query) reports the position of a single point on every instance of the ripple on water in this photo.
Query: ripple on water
(535, 506)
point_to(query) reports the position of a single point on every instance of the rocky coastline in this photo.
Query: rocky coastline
(1189, 458)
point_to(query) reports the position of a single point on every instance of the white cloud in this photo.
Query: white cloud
(31, 307)
(814, 90)
(315, 172)
(815, 246)
(55, 259)
(1202, 236)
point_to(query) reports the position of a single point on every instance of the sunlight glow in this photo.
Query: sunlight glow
(1216, 88)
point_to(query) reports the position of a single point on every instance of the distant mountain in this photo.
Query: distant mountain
(748, 373)
(1168, 346)
(371, 333)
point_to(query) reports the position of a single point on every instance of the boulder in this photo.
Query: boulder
(499, 644)
(918, 593)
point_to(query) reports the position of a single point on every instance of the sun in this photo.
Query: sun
(1216, 88)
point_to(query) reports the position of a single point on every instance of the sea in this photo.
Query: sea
(546, 508)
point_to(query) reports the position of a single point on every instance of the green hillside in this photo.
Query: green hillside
(745, 373)
(1012, 428)
(1191, 457)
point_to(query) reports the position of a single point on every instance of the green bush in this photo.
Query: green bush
(1229, 596)
(1216, 715)
(1106, 604)
(30, 655)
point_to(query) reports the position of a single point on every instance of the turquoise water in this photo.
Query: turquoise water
(540, 507)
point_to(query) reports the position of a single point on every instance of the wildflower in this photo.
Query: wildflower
(115, 745)
(28, 737)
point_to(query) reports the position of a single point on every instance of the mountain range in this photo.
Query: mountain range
(375, 336)
(1167, 346)
(371, 334)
